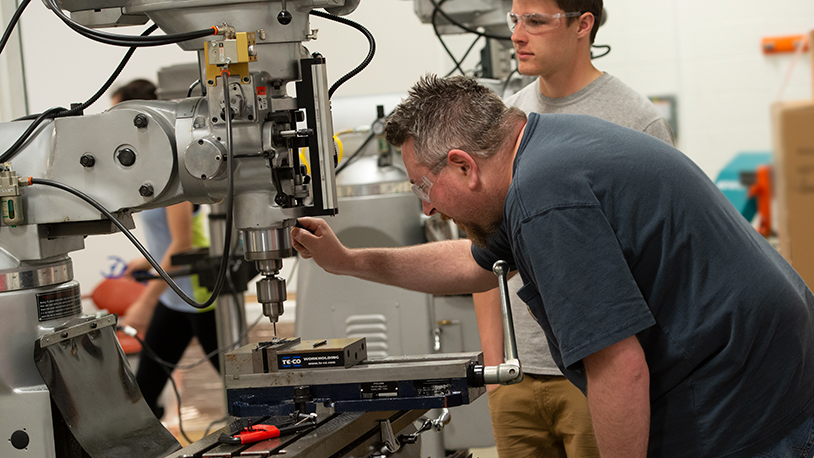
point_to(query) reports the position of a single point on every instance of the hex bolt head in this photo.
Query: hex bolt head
(87, 160)
(141, 121)
(146, 190)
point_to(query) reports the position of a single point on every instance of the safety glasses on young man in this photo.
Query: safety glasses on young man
(536, 23)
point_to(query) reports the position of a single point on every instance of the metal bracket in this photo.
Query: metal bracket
(68, 333)
(390, 444)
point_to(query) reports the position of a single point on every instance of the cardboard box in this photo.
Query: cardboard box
(793, 130)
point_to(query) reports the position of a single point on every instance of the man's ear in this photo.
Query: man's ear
(464, 166)
(586, 23)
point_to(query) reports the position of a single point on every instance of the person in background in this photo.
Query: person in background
(545, 414)
(139, 89)
(166, 321)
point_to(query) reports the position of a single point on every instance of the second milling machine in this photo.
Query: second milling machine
(60, 180)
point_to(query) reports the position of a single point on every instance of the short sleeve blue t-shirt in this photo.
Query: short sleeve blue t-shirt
(616, 234)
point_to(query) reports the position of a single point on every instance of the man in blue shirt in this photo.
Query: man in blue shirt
(689, 334)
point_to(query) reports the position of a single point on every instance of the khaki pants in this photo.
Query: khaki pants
(543, 416)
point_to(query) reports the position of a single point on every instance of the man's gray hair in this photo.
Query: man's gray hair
(441, 114)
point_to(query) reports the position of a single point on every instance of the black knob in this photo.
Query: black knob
(284, 17)
(146, 190)
(474, 375)
(87, 160)
(141, 121)
(126, 157)
(302, 396)
(19, 439)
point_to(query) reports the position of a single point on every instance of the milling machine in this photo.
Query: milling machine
(64, 176)
(234, 145)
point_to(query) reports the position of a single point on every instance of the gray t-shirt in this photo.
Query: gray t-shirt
(607, 98)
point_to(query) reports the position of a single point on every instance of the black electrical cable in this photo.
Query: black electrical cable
(127, 40)
(229, 216)
(436, 9)
(463, 27)
(59, 112)
(168, 367)
(13, 149)
(607, 51)
(167, 371)
(132, 238)
(506, 83)
(224, 419)
(192, 86)
(79, 109)
(466, 54)
(154, 356)
(371, 41)
(12, 24)
(354, 155)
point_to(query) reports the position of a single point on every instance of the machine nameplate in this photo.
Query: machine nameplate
(59, 304)
(377, 390)
(315, 354)
(310, 361)
(426, 388)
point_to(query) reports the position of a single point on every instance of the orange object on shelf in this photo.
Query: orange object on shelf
(761, 191)
(788, 43)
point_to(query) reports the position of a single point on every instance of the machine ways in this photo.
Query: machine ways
(349, 434)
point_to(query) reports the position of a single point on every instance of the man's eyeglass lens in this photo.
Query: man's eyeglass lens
(535, 23)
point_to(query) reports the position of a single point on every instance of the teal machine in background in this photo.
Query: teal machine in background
(730, 181)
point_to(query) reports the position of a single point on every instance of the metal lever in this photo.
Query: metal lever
(390, 444)
(508, 372)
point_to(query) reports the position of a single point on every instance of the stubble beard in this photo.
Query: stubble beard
(480, 234)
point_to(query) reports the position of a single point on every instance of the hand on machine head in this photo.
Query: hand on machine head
(313, 238)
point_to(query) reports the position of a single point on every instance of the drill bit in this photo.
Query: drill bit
(275, 328)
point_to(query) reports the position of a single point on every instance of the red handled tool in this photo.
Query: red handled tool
(257, 433)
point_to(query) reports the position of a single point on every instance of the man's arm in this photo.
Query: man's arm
(437, 268)
(619, 398)
(490, 327)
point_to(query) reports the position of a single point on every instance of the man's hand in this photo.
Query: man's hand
(619, 398)
(316, 240)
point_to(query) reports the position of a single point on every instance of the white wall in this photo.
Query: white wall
(12, 95)
(706, 53)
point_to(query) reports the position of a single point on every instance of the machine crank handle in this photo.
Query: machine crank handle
(508, 372)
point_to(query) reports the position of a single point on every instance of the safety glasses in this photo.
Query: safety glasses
(537, 23)
(422, 187)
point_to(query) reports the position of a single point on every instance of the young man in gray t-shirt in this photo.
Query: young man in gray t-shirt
(557, 50)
